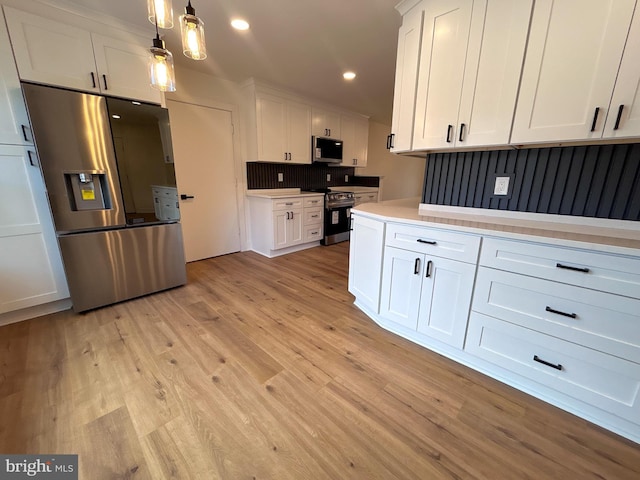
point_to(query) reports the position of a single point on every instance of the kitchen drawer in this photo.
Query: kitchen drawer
(287, 203)
(313, 216)
(170, 193)
(606, 382)
(312, 233)
(431, 241)
(605, 322)
(617, 274)
(315, 201)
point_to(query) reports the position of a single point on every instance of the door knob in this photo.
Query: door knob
(186, 197)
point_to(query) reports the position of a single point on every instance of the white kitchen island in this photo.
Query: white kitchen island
(547, 304)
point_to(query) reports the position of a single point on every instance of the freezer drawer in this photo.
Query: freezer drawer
(114, 265)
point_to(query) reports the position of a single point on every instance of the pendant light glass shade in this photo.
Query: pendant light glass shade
(160, 13)
(161, 71)
(192, 30)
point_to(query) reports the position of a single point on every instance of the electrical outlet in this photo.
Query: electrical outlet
(346, 179)
(328, 177)
(281, 177)
(502, 186)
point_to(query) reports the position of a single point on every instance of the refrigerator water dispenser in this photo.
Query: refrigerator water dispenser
(88, 191)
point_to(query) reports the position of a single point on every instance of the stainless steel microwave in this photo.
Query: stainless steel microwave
(326, 150)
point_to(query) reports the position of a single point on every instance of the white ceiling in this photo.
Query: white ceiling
(302, 45)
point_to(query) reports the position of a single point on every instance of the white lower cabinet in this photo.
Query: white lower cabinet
(287, 228)
(604, 381)
(431, 295)
(556, 321)
(284, 225)
(31, 271)
(366, 245)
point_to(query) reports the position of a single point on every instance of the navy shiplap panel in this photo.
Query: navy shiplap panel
(265, 175)
(600, 181)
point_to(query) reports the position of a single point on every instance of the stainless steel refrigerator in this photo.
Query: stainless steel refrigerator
(107, 164)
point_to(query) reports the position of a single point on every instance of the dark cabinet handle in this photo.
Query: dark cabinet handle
(595, 119)
(536, 358)
(30, 153)
(393, 137)
(416, 267)
(291, 215)
(429, 265)
(575, 269)
(389, 142)
(449, 132)
(93, 80)
(104, 79)
(620, 109)
(287, 215)
(558, 312)
(186, 197)
(288, 203)
(285, 156)
(428, 242)
(289, 155)
(461, 137)
(24, 133)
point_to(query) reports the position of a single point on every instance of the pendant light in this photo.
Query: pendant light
(161, 71)
(160, 13)
(192, 29)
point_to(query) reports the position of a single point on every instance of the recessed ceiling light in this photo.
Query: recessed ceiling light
(349, 75)
(240, 24)
(136, 103)
(116, 116)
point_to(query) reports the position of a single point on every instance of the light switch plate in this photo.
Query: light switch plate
(346, 179)
(328, 177)
(281, 177)
(501, 186)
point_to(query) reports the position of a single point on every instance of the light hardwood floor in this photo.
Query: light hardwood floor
(263, 369)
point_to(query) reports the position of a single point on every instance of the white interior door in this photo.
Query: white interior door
(205, 168)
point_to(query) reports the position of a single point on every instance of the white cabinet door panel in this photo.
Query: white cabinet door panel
(492, 74)
(446, 300)
(272, 137)
(442, 62)
(406, 81)
(50, 52)
(573, 55)
(122, 68)
(627, 91)
(299, 132)
(401, 284)
(14, 123)
(31, 270)
(366, 246)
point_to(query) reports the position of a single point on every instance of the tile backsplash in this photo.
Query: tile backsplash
(286, 175)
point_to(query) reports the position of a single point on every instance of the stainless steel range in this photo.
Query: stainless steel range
(337, 216)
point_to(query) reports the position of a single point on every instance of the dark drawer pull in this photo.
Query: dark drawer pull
(429, 265)
(428, 242)
(595, 119)
(619, 117)
(461, 137)
(449, 132)
(24, 133)
(536, 358)
(575, 269)
(558, 312)
(416, 267)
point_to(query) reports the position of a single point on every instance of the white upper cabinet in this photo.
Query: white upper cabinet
(326, 123)
(404, 93)
(283, 129)
(355, 135)
(14, 124)
(573, 55)
(623, 119)
(469, 70)
(65, 55)
(444, 45)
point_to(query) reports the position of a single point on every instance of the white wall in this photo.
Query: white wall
(400, 177)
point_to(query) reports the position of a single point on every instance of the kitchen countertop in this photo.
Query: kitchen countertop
(279, 193)
(614, 236)
(354, 189)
